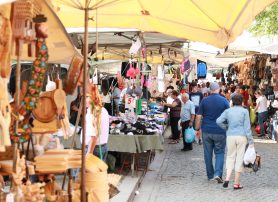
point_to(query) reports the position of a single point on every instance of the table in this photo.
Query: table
(135, 144)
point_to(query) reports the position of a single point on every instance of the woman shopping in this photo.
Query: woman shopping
(175, 110)
(236, 122)
(261, 108)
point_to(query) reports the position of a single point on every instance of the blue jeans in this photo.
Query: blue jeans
(214, 143)
(262, 118)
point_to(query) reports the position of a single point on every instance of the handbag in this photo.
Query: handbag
(257, 164)
(189, 135)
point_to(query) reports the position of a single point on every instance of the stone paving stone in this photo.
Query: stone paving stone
(180, 176)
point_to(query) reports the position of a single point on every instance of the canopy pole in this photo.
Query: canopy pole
(85, 55)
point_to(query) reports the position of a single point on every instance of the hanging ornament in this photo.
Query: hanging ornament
(35, 84)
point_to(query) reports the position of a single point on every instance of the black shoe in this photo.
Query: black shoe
(200, 142)
(186, 149)
(226, 184)
(218, 179)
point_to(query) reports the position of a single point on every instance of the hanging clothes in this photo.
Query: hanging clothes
(201, 69)
(160, 77)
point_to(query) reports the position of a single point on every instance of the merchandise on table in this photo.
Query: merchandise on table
(150, 124)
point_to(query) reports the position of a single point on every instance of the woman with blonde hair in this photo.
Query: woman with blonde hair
(236, 122)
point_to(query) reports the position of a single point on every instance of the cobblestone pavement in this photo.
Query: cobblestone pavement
(177, 176)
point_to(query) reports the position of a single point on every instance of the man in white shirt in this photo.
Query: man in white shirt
(95, 143)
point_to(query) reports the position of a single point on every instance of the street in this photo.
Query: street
(177, 176)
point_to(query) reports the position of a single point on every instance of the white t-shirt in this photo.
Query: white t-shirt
(106, 98)
(91, 131)
(262, 102)
(169, 100)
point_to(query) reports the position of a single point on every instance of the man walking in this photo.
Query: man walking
(187, 118)
(196, 97)
(214, 137)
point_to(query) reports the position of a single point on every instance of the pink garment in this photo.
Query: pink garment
(104, 127)
(142, 79)
(148, 82)
(132, 72)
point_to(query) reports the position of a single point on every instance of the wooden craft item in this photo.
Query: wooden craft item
(33, 192)
(47, 157)
(23, 26)
(5, 47)
(61, 104)
(42, 128)
(29, 102)
(63, 151)
(5, 115)
(59, 98)
(93, 161)
(74, 74)
(45, 110)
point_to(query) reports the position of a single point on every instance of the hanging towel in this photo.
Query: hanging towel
(201, 69)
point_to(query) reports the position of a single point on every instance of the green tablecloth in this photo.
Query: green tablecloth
(134, 143)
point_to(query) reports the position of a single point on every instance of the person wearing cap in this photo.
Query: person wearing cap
(213, 136)
(236, 122)
(187, 119)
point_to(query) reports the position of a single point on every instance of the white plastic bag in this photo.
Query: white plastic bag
(249, 156)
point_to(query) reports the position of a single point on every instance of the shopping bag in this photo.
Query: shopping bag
(189, 135)
(249, 156)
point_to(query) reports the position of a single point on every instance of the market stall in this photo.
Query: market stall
(259, 72)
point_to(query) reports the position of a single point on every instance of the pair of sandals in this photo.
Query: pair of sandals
(236, 186)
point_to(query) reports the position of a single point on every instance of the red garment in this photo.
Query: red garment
(246, 98)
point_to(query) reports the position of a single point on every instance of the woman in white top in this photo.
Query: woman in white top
(261, 108)
(106, 99)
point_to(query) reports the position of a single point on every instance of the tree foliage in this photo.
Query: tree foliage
(266, 22)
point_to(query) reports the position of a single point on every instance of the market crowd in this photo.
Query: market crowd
(220, 115)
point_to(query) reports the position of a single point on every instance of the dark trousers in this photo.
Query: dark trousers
(174, 121)
(184, 126)
(262, 117)
(108, 107)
